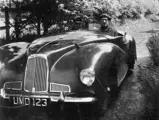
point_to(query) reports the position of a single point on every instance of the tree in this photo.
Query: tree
(32, 13)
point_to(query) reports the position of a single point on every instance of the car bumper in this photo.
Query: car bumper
(62, 97)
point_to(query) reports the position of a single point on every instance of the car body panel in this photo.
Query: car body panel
(70, 64)
(62, 59)
(59, 41)
(13, 60)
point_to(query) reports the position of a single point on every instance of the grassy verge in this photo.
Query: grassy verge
(149, 79)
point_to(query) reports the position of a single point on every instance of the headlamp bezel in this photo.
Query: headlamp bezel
(87, 77)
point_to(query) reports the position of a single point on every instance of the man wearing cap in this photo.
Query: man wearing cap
(77, 23)
(128, 42)
(105, 25)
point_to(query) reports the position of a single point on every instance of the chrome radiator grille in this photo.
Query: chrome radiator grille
(54, 87)
(36, 74)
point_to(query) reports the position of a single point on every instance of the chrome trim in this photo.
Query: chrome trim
(74, 99)
(13, 88)
(3, 94)
(89, 72)
(47, 78)
(31, 56)
(56, 99)
(61, 85)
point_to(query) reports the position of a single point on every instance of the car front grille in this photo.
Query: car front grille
(54, 87)
(36, 74)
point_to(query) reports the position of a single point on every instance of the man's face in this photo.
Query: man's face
(78, 24)
(104, 22)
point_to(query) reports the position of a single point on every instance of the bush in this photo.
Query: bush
(153, 47)
(24, 38)
(148, 78)
(117, 8)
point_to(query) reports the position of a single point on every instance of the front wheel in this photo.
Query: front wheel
(131, 63)
(132, 54)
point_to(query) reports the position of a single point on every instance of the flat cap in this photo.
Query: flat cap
(104, 15)
(77, 19)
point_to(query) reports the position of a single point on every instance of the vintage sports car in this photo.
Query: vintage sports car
(82, 67)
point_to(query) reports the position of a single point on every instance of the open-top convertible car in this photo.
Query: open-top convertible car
(82, 67)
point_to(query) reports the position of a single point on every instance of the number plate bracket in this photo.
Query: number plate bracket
(29, 101)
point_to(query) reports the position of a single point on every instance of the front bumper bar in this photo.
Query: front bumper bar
(62, 97)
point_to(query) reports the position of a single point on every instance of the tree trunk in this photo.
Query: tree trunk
(45, 24)
(7, 24)
(38, 26)
(17, 22)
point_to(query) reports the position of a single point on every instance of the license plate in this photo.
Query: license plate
(30, 101)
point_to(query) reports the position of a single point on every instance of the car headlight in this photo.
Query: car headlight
(87, 77)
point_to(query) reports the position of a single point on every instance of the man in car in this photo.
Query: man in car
(128, 43)
(105, 20)
(77, 23)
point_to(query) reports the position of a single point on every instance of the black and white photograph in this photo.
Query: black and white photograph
(79, 59)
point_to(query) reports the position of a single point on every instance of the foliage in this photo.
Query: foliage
(27, 38)
(148, 78)
(153, 47)
(148, 75)
(54, 16)
(116, 8)
(33, 14)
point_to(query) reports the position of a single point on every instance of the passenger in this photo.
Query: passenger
(77, 25)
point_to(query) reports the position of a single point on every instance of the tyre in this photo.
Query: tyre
(132, 56)
(131, 66)
(113, 83)
(131, 62)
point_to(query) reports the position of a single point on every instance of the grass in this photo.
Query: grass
(117, 8)
(149, 78)
(153, 47)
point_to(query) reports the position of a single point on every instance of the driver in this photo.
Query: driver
(105, 20)
(127, 43)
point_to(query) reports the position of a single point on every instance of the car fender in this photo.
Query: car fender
(12, 61)
(121, 72)
(97, 57)
(130, 44)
